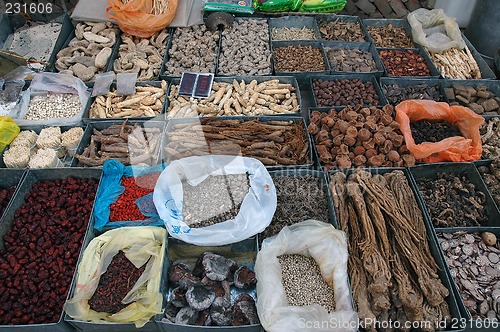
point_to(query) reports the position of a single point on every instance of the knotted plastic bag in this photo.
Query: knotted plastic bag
(328, 247)
(8, 131)
(141, 245)
(458, 148)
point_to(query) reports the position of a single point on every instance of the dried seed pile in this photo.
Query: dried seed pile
(392, 271)
(404, 63)
(491, 176)
(265, 98)
(131, 145)
(202, 296)
(272, 142)
(396, 94)
(390, 37)
(298, 58)
(119, 278)
(350, 60)
(479, 98)
(293, 34)
(53, 105)
(343, 31)
(146, 101)
(303, 282)
(453, 201)
(299, 198)
(454, 63)
(346, 92)
(432, 131)
(216, 199)
(490, 137)
(475, 266)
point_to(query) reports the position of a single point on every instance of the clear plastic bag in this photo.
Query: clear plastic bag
(125, 84)
(102, 83)
(328, 247)
(435, 30)
(139, 245)
(256, 211)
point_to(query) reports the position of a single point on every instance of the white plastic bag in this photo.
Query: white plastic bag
(328, 247)
(435, 30)
(256, 211)
(54, 83)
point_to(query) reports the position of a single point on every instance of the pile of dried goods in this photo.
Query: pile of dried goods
(432, 131)
(293, 34)
(392, 271)
(453, 201)
(130, 145)
(350, 60)
(390, 37)
(396, 94)
(454, 63)
(490, 137)
(359, 137)
(143, 56)
(343, 31)
(188, 56)
(272, 142)
(491, 176)
(299, 198)
(41, 250)
(479, 98)
(5, 196)
(53, 105)
(473, 260)
(89, 51)
(146, 101)
(266, 98)
(245, 49)
(404, 63)
(203, 296)
(346, 92)
(216, 199)
(298, 58)
(303, 283)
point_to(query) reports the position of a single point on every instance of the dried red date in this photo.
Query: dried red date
(41, 250)
(5, 196)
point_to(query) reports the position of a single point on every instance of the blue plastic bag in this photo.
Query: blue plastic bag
(110, 189)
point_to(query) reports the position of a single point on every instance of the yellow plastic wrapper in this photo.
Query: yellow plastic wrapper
(139, 244)
(8, 131)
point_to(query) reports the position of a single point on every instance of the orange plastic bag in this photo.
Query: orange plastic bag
(466, 148)
(136, 18)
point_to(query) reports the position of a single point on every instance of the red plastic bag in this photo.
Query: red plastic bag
(137, 18)
(466, 148)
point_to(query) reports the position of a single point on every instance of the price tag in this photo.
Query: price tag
(188, 84)
(196, 85)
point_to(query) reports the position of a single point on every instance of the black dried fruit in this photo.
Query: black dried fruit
(179, 297)
(187, 316)
(200, 297)
(177, 272)
(215, 267)
(244, 278)
(221, 312)
(244, 311)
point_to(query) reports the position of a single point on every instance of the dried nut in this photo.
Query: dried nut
(390, 37)
(489, 239)
(404, 63)
(297, 58)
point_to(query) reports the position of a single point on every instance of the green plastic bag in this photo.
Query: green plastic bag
(229, 6)
(277, 5)
(323, 6)
(8, 131)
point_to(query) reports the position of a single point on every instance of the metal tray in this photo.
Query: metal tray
(298, 22)
(244, 253)
(300, 75)
(196, 121)
(467, 322)
(396, 23)
(428, 61)
(229, 79)
(100, 125)
(31, 177)
(493, 86)
(86, 111)
(367, 47)
(429, 171)
(364, 77)
(343, 19)
(79, 325)
(442, 270)
(10, 177)
(412, 81)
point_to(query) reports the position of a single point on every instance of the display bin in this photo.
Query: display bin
(31, 177)
(430, 64)
(8, 178)
(384, 22)
(442, 271)
(429, 171)
(86, 112)
(221, 49)
(467, 322)
(243, 253)
(229, 79)
(301, 76)
(342, 19)
(412, 81)
(78, 325)
(10, 23)
(493, 86)
(364, 77)
(297, 22)
(197, 122)
(100, 125)
(66, 161)
(367, 47)
(166, 58)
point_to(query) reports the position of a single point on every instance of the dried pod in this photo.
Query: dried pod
(221, 312)
(394, 125)
(376, 161)
(397, 141)
(335, 132)
(365, 111)
(408, 159)
(179, 297)
(328, 121)
(379, 138)
(343, 161)
(244, 311)
(388, 109)
(200, 297)
(386, 119)
(322, 135)
(186, 316)
(349, 140)
(342, 126)
(244, 278)
(352, 131)
(359, 160)
(398, 163)
(364, 134)
(328, 143)
(386, 147)
(313, 128)
(371, 126)
(403, 149)
(337, 140)
(359, 150)
(323, 154)
(343, 149)
(393, 155)
(370, 144)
